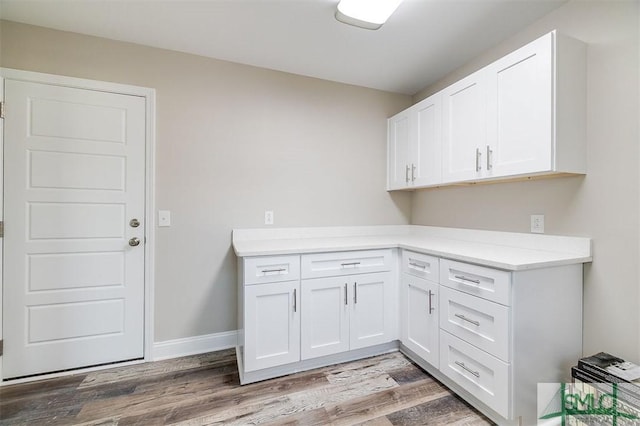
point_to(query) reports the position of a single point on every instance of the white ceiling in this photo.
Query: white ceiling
(422, 41)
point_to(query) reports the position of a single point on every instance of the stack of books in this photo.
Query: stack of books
(615, 386)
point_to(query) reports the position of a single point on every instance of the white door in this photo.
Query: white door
(325, 318)
(464, 129)
(398, 169)
(520, 110)
(74, 179)
(421, 330)
(272, 325)
(426, 167)
(371, 319)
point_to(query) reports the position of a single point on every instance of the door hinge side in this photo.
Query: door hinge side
(1, 347)
(1, 229)
(1, 109)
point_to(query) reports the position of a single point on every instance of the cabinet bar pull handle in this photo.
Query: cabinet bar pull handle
(463, 318)
(406, 174)
(346, 301)
(489, 155)
(266, 271)
(350, 264)
(413, 172)
(295, 301)
(355, 293)
(463, 278)
(464, 367)
(478, 154)
(417, 265)
(430, 306)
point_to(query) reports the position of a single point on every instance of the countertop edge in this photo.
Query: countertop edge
(562, 260)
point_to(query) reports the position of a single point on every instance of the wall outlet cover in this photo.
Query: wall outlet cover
(537, 223)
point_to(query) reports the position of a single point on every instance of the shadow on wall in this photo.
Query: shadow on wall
(221, 295)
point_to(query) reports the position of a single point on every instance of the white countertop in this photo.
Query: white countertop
(503, 250)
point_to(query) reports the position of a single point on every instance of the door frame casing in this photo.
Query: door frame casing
(149, 94)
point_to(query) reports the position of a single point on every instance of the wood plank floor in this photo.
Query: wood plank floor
(204, 390)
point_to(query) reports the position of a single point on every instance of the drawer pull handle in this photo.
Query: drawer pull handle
(430, 306)
(417, 265)
(268, 271)
(463, 278)
(354, 264)
(465, 368)
(463, 318)
(346, 301)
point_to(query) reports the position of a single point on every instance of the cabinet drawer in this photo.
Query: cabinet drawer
(480, 322)
(420, 265)
(488, 283)
(269, 269)
(484, 376)
(345, 263)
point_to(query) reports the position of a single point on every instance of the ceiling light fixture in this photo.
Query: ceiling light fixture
(369, 14)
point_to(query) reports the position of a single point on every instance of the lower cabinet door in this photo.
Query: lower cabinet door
(483, 375)
(325, 317)
(372, 309)
(421, 333)
(272, 325)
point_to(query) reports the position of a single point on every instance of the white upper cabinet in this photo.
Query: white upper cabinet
(414, 144)
(398, 151)
(521, 116)
(426, 153)
(464, 128)
(520, 110)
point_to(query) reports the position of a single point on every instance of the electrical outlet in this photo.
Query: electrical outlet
(268, 217)
(537, 223)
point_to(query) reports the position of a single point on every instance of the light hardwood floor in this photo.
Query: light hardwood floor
(204, 390)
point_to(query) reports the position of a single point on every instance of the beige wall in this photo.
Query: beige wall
(232, 141)
(603, 204)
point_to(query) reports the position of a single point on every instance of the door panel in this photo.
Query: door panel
(398, 155)
(427, 155)
(272, 328)
(325, 317)
(464, 128)
(74, 167)
(422, 329)
(371, 320)
(520, 108)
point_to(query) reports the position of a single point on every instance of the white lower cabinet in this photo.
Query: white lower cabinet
(502, 333)
(346, 313)
(272, 325)
(325, 321)
(482, 375)
(490, 335)
(346, 301)
(419, 309)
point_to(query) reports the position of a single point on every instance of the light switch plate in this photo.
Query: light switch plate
(164, 218)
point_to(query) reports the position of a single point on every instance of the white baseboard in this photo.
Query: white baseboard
(194, 345)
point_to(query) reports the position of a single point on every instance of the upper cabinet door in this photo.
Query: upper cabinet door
(398, 169)
(520, 98)
(464, 129)
(426, 152)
